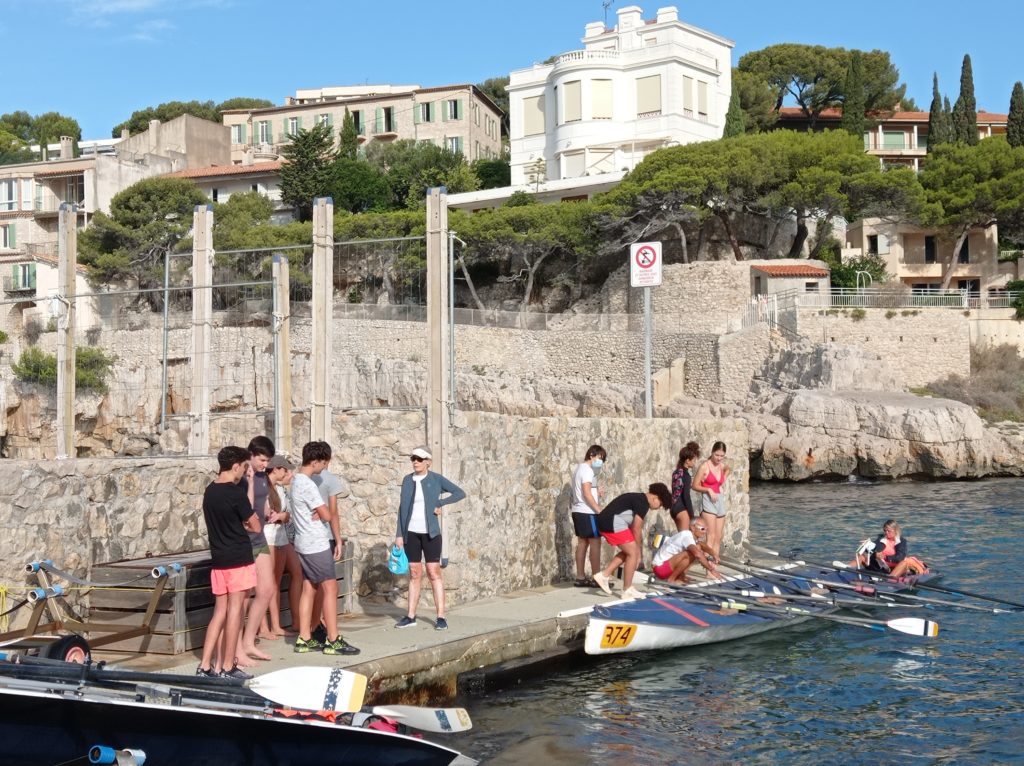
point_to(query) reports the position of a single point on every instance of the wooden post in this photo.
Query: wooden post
(202, 329)
(437, 320)
(282, 356)
(62, 307)
(323, 318)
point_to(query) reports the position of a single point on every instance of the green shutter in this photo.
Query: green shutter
(444, 111)
(14, 276)
(378, 120)
(458, 145)
(32, 276)
(284, 128)
(330, 119)
(460, 112)
(298, 123)
(417, 114)
(241, 133)
(12, 239)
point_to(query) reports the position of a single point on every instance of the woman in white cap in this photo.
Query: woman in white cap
(419, 531)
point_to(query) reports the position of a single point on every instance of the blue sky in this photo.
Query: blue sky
(99, 60)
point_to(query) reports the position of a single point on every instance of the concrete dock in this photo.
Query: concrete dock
(421, 665)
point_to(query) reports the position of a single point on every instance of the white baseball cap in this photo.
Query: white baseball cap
(422, 452)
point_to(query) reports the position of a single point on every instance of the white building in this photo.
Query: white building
(637, 87)
(219, 182)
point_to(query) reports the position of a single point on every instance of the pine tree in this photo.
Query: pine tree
(735, 125)
(854, 97)
(965, 112)
(936, 129)
(348, 139)
(1015, 122)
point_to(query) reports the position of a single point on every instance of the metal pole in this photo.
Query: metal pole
(163, 377)
(648, 404)
(451, 329)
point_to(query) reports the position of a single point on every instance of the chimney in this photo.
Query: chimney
(247, 156)
(669, 13)
(630, 17)
(593, 29)
(67, 147)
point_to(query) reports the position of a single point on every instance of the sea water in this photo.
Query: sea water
(820, 692)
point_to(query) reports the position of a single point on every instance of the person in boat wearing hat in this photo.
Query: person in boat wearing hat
(888, 554)
(678, 552)
(419, 531)
(620, 523)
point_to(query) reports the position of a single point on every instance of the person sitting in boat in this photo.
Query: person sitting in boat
(678, 552)
(620, 523)
(888, 554)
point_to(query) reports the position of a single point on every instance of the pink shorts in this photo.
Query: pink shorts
(663, 570)
(619, 538)
(232, 580)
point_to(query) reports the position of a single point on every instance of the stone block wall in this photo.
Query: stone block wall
(919, 345)
(742, 356)
(512, 531)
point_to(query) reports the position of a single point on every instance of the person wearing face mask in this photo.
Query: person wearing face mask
(586, 504)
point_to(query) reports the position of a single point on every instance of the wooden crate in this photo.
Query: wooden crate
(186, 606)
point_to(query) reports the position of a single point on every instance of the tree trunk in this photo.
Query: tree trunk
(531, 271)
(797, 249)
(682, 241)
(701, 238)
(948, 276)
(723, 216)
(824, 230)
(469, 284)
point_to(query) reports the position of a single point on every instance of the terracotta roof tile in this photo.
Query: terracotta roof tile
(69, 169)
(790, 270)
(795, 112)
(228, 170)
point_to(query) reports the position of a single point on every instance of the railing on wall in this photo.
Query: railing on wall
(881, 298)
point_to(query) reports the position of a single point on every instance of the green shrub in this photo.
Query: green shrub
(858, 314)
(1017, 286)
(3, 337)
(890, 314)
(92, 367)
(995, 386)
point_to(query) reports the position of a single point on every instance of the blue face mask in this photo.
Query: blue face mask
(596, 462)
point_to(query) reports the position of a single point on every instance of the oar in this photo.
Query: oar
(838, 566)
(443, 720)
(832, 598)
(909, 625)
(305, 688)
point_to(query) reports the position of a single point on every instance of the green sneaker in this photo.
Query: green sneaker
(306, 645)
(339, 646)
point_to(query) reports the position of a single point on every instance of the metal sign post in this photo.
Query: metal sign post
(645, 272)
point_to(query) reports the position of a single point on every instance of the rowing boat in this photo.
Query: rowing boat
(713, 611)
(51, 717)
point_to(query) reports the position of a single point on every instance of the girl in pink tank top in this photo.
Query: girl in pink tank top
(709, 480)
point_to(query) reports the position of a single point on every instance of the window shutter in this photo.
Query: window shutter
(298, 124)
(32, 276)
(241, 133)
(417, 114)
(601, 100)
(444, 111)
(14, 275)
(702, 97)
(12, 237)
(688, 94)
(330, 119)
(459, 145)
(378, 122)
(648, 94)
(460, 111)
(533, 115)
(883, 244)
(571, 103)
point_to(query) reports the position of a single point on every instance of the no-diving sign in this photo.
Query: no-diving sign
(645, 264)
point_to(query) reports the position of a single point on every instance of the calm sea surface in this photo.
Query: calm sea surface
(818, 693)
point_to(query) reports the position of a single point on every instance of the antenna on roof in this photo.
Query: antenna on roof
(606, 4)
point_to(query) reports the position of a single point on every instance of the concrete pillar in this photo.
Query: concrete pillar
(437, 320)
(202, 329)
(323, 318)
(282, 356)
(62, 306)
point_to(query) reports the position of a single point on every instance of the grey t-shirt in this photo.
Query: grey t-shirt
(329, 486)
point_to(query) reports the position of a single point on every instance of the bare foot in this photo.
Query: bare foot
(255, 654)
(270, 636)
(245, 661)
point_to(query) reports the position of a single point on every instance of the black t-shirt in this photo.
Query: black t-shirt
(226, 508)
(619, 513)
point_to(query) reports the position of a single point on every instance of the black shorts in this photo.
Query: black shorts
(419, 545)
(585, 524)
(678, 508)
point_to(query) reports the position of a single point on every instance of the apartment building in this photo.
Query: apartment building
(220, 182)
(918, 257)
(31, 193)
(459, 117)
(633, 88)
(898, 138)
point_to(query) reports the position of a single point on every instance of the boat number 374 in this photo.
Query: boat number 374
(617, 636)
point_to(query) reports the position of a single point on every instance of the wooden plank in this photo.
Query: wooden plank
(131, 598)
(163, 622)
(176, 643)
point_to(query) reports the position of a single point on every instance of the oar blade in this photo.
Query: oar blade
(446, 720)
(914, 626)
(312, 688)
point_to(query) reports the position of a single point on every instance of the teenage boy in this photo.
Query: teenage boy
(229, 517)
(315, 555)
(330, 487)
(257, 487)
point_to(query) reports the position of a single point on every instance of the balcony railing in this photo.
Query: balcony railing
(875, 298)
(18, 285)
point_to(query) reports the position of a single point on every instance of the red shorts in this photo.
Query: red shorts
(619, 538)
(663, 570)
(232, 580)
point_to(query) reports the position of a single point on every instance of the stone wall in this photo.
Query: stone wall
(512, 531)
(920, 345)
(742, 357)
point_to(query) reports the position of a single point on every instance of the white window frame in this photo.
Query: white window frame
(236, 134)
(293, 126)
(8, 194)
(265, 131)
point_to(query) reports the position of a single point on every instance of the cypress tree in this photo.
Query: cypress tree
(1015, 122)
(936, 130)
(853, 97)
(948, 131)
(965, 112)
(348, 139)
(735, 125)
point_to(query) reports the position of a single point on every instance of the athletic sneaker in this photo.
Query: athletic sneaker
(302, 645)
(406, 622)
(211, 673)
(441, 624)
(237, 673)
(602, 582)
(339, 646)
